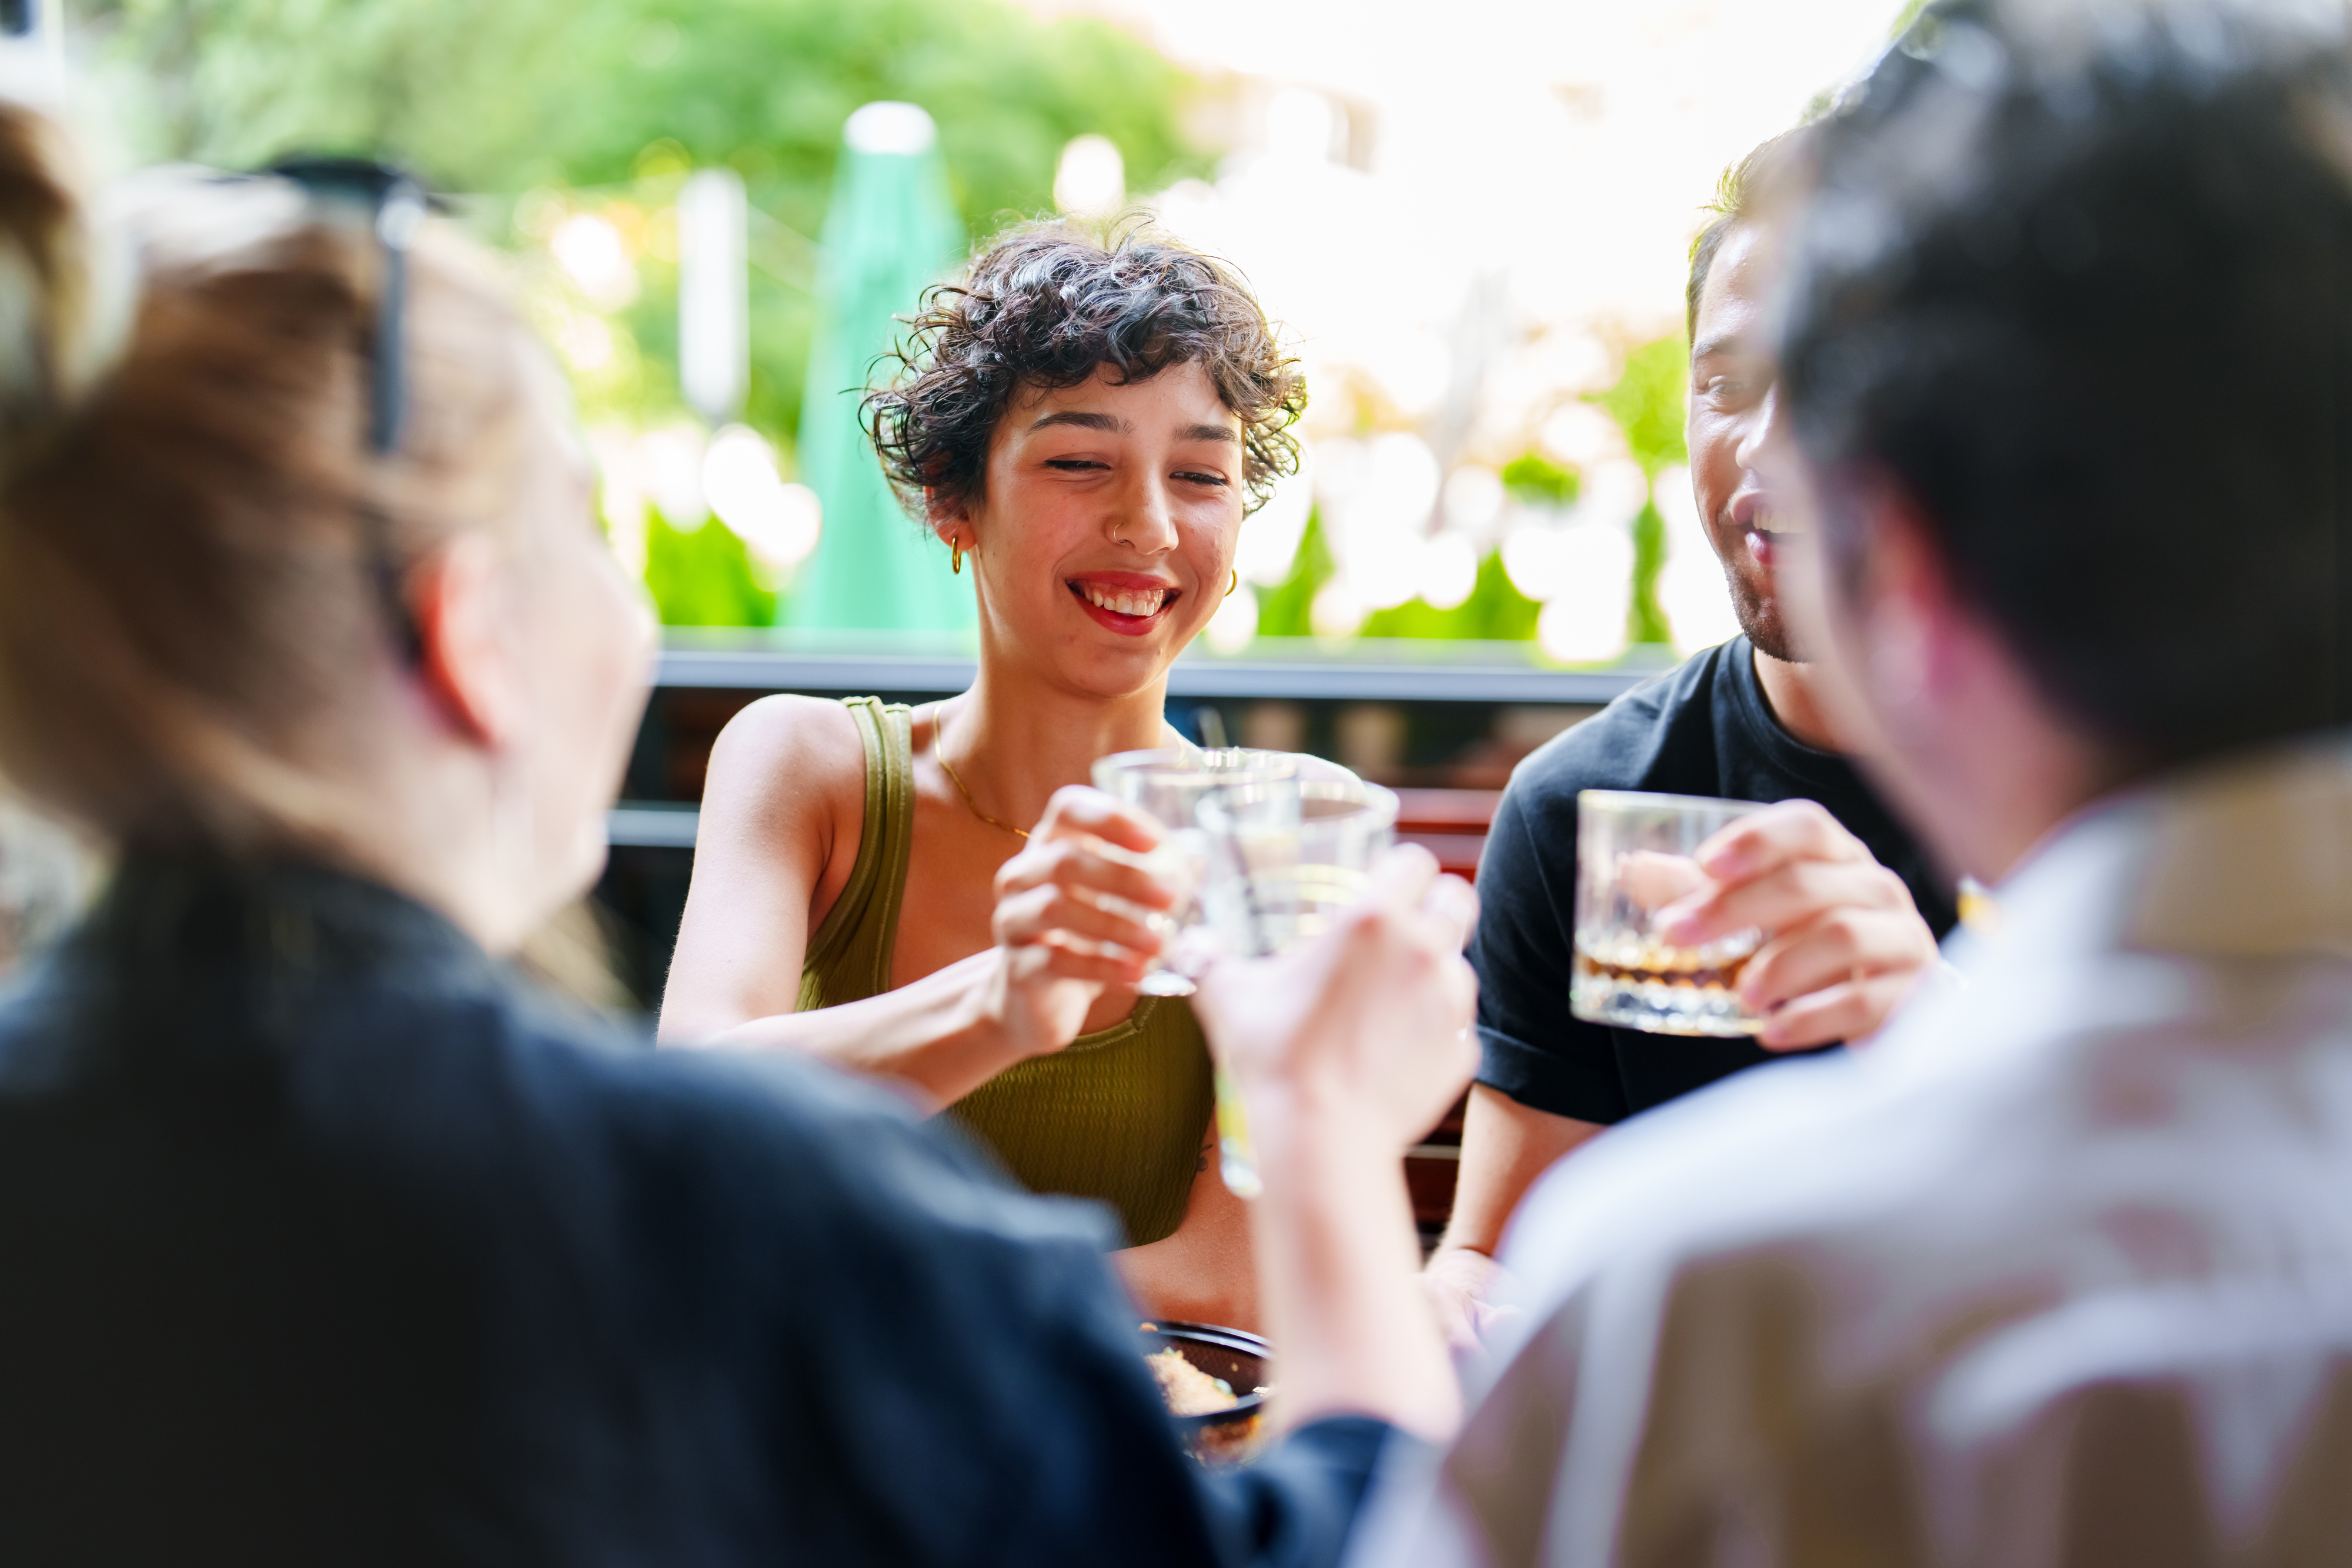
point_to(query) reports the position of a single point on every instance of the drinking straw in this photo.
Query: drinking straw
(1236, 1155)
(1223, 836)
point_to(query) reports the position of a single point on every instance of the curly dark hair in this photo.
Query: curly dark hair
(1044, 307)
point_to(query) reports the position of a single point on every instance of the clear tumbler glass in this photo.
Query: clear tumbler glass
(1272, 885)
(1167, 786)
(1634, 855)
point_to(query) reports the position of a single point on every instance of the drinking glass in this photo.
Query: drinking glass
(1167, 785)
(1634, 855)
(1273, 886)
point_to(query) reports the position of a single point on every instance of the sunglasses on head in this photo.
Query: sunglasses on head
(393, 203)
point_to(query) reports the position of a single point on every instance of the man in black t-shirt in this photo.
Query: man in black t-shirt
(1855, 907)
(1706, 730)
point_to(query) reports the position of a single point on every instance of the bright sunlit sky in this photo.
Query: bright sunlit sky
(1571, 142)
(1461, 217)
(1528, 176)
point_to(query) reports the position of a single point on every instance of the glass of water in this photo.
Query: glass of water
(1167, 786)
(1272, 884)
(1635, 855)
(1272, 887)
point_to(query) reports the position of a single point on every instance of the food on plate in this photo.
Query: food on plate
(1188, 1390)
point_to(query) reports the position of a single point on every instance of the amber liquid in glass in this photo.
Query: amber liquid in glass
(1661, 990)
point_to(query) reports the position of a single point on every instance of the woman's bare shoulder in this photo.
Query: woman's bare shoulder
(783, 805)
(787, 753)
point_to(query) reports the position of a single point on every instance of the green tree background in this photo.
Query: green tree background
(617, 100)
(1649, 401)
(505, 96)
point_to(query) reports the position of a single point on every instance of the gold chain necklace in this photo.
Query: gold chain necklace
(948, 768)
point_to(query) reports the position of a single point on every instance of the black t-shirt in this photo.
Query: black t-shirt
(325, 1243)
(1704, 728)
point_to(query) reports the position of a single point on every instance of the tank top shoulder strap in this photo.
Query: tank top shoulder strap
(848, 960)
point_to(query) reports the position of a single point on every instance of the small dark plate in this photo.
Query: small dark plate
(1246, 1363)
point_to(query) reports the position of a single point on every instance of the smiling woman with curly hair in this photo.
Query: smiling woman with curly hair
(1084, 421)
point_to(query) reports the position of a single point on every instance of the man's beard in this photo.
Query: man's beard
(1760, 619)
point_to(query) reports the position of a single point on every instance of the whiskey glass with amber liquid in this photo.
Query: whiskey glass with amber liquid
(1635, 854)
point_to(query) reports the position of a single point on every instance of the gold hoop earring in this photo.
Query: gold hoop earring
(956, 564)
(1235, 583)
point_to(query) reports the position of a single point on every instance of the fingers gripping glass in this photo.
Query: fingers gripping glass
(1167, 785)
(1636, 856)
(393, 203)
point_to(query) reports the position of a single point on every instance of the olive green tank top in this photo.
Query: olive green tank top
(1118, 1114)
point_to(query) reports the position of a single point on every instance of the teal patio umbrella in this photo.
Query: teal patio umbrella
(889, 232)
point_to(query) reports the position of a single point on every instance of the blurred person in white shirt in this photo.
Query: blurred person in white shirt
(2059, 1270)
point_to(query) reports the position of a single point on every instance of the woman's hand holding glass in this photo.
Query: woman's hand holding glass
(1073, 918)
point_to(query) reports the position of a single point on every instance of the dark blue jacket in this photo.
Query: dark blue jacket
(323, 1241)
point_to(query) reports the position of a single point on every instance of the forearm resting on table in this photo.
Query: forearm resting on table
(933, 1035)
(1336, 1260)
(1505, 1147)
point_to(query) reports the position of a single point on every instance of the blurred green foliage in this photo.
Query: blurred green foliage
(1495, 611)
(1649, 402)
(510, 95)
(1646, 618)
(610, 103)
(1532, 476)
(515, 93)
(703, 577)
(1287, 608)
